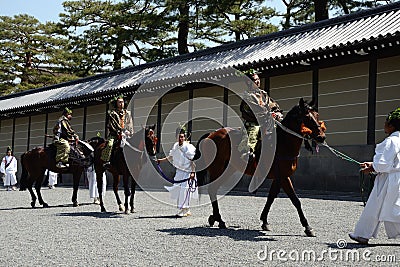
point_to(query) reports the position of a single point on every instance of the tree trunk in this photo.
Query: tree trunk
(183, 28)
(237, 32)
(117, 60)
(321, 10)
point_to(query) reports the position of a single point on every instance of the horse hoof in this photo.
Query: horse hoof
(121, 208)
(211, 220)
(222, 225)
(33, 204)
(103, 209)
(45, 205)
(265, 226)
(310, 232)
(75, 204)
(133, 210)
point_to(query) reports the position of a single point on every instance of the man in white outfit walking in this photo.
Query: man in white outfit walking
(383, 204)
(181, 156)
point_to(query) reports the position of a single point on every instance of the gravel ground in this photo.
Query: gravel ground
(62, 235)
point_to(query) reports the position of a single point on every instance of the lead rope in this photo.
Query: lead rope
(340, 155)
(371, 175)
(192, 183)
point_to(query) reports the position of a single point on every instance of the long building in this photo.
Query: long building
(349, 65)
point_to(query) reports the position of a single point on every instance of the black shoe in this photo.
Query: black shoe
(107, 165)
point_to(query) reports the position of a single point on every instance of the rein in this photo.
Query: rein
(133, 148)
(169, 179)
(286, 129)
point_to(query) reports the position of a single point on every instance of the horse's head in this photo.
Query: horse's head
(276, 111)
(96, 141)
(150, 139)
(311, 126)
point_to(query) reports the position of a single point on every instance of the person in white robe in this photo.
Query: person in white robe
(181, 156)
(93, 192)
(383, 204)
(9, 169)
(52, 178)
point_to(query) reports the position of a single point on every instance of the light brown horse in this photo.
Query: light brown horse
(302, 119)
(136, 146)
(36, 161)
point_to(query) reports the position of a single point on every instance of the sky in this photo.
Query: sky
(48, 10)
(43, 10)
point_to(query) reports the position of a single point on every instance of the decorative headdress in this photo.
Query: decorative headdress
(9, 148)
(113, 100)
(395, 114)
(67, 111)
(181, 130)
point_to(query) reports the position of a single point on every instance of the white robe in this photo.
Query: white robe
(52, 177)
(383, 204)
(10, 177)
(181, 159)
(91, 176)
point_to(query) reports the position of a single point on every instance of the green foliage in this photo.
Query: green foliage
(96, 36)
(31, 56)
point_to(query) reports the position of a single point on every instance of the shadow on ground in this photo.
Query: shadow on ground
(236, 234)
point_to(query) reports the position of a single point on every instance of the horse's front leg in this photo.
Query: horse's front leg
(76, 178)
(33, 196)
(133, 190)
(99, 181)
(273, 193)
(115, 189)
(126, 191)
(216, 216)
(289, 190)
(41, 202)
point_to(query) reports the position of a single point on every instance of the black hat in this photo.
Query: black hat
(9, 148)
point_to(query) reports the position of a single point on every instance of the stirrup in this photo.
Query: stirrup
(107, 165)
(62, 165)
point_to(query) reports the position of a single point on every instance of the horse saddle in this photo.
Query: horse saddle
(80, 154)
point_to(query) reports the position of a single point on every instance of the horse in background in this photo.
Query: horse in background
(137, 143)
(302, 119)
(35, 162)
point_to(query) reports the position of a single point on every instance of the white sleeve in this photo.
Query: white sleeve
(2, 169)
(385, 154)
(15, 163)
(190, 151)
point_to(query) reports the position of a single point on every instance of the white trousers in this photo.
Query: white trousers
(10, 179)
(91, 176)
(371, 217)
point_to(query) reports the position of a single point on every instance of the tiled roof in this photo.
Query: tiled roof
(369, 27)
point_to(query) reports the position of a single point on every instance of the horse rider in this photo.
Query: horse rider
(63, 134)
(119, 127)
(255, 100)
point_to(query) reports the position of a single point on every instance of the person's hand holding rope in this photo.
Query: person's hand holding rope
(366, 167)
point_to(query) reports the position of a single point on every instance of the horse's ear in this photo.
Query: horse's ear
(301, 103)
(311, 104)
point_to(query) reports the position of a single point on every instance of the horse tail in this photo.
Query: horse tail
(201, 173)
(24, 175)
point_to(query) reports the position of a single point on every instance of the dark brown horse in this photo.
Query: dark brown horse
(36, 161)
(303, 120)
(136, 147)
